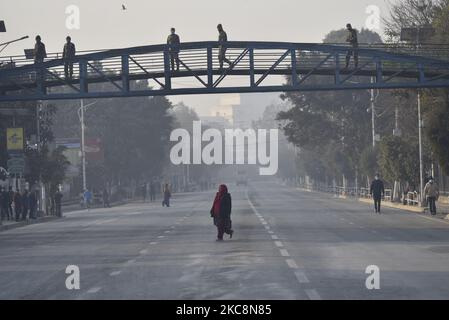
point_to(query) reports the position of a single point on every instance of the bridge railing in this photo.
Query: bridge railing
(256, 61)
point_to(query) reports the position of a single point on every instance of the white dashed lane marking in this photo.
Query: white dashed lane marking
(129, 262)
(301, 277)
(279, 244)
(313, 294)
(94, 290)
(292, 264)
(115, 273)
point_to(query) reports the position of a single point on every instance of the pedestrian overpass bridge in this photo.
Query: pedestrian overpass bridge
(256, 67)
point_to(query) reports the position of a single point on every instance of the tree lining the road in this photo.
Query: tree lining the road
(427, 13)
(46, 163)
(134, 134)
(333, 129)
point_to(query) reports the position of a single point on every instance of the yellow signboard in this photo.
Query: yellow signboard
(14, 138)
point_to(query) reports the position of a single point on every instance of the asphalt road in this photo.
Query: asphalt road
(288, 244)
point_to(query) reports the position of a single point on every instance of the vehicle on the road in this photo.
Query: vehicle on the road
(242, 178)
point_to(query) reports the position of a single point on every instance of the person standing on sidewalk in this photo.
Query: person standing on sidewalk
(25, 204)
(106, 203)
(18, 205)
(144, 191)
(33, 204)
(58, 203)
(87, 197)
(432, 193)
(11, 200)
(221, 212)
(4, 202)
(152, 191)
(377, 191)
(167, 196)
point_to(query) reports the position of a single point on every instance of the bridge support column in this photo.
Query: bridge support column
(379, 77)
(125, 73)
(294, 69)
(210, 68)
(252, 79)
(337, 78)
(84, 87)
(167, 70)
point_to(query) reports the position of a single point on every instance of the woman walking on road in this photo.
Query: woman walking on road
(221, 212)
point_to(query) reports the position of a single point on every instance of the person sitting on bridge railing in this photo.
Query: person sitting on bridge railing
(68, 54)
(39, 51)
(174, 41)
(353, 41)
(222, 38)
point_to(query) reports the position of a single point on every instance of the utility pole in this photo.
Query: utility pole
(83, 142)
(83, 150)
(41, 203)
(373, 115)
(421, 165)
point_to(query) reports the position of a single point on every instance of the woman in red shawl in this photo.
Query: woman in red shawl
(221, 212)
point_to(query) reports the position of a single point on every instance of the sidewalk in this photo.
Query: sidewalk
(8, 225)
(442, 207)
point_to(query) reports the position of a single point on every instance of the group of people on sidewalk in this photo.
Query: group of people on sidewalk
(152, 189)
(430, 194)
(16, 205)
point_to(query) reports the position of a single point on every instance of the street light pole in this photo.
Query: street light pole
(373, 115)
(83, 150)
(83, 142)
(421, 165)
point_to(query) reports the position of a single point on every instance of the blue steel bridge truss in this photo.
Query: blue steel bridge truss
(256, 67)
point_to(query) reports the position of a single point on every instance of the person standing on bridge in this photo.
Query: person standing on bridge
(222, 39)
(354, 43)
(68, 55)
(377, 191)
(39, 51)
(221, 212)
(174, 41)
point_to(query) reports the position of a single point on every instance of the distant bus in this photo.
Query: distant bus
(242, 178)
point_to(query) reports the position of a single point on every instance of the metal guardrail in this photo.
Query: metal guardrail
(412, 198)
(348, 191)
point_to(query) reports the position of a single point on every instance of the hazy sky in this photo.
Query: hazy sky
(103, 24)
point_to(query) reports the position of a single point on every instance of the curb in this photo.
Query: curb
(396, 206)
(26, 223)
